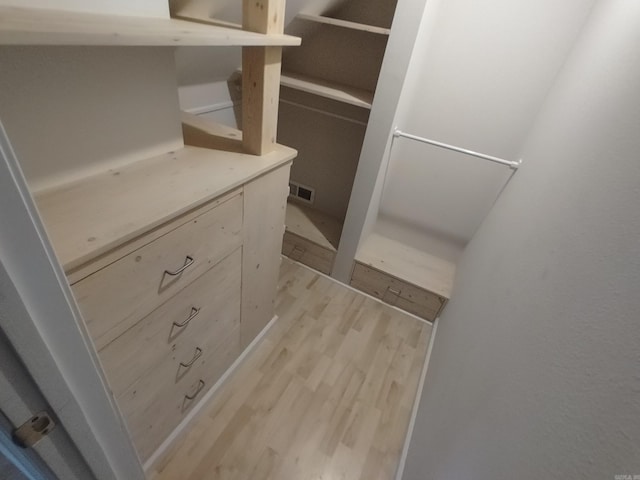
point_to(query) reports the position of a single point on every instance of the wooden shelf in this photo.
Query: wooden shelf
(408, 264)
(336, 22)
(313, 225)
(89, 217)
(197, 11)
(326, 89)
(30, 26)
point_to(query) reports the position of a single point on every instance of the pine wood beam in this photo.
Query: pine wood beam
(261, 76)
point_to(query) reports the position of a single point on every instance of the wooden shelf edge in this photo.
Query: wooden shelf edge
(336, 22)
(323, 88)
(199, 12)
(32, 26)
(407, 264)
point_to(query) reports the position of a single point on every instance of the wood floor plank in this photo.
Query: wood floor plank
(327, 394)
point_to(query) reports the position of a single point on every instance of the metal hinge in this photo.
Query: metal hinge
(32, 431)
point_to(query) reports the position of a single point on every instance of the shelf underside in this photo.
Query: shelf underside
(29, 26)
(336, 22)
(323, 88)
(89, 217)
(408, 264)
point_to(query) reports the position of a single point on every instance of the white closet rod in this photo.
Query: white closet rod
(512, 165)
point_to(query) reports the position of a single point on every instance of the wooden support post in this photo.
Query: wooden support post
(261, 76)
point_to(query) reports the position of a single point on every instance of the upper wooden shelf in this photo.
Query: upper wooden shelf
(199, 12)
(408, 264)
(336, 22)
(331, 90)
(30, 26)
(92, 216)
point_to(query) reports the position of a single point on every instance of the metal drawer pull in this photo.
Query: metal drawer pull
(198, 390)
(187, 263)
(196, 356)
(194, 313)
(391, 300)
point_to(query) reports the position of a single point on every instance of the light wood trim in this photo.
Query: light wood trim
(87, 218)
(408, 264)
(323, 88)
(34, 26)
(261, 76)
(336, 22)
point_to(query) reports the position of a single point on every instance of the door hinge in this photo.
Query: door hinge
(32, 431)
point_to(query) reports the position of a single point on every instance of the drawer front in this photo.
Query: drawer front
(151, 420)
(303, 251)
(115, 298)
(170, 334)
(395, 292)
(155, 403)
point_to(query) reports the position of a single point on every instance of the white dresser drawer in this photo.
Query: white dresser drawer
(116, 297)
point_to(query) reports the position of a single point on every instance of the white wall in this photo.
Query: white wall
(146, 8)
(74, 111)
(478, 74)
(535, 369)
(216, 100)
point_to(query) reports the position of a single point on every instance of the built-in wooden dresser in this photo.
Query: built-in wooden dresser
(168, 227)
(173, 283)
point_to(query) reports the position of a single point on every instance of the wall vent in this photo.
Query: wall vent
(304, 193)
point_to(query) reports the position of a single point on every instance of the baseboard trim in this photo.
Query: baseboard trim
(210, 108)
(161, 450)
(416, 403)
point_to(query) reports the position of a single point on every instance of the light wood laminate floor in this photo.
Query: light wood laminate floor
(326, 395)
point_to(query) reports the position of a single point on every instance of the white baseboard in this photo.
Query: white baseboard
(416, 404)
(210, 108)
(205, 400)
